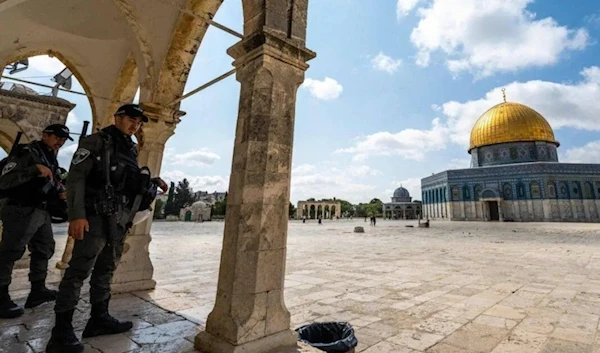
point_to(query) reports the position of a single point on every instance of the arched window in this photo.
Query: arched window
(466, 193)
(521, 191)
(588, 190)
(563, 190)
(455, 193)
(507, 191)
(477, 192)
(551, 190)
(535, 190)
(576, 190)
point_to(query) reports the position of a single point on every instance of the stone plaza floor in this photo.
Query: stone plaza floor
(455, 287)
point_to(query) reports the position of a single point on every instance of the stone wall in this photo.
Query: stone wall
(30, 114)
(549, 210)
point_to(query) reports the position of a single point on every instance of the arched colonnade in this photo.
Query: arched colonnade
(115, 46)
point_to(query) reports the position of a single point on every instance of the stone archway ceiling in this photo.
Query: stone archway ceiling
(98, 38)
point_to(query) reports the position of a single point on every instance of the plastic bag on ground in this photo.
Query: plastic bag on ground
(331, 337)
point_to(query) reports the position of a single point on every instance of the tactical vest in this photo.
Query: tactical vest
(122, 170)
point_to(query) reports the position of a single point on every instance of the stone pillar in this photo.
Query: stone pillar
(135, 270)
(250, 315)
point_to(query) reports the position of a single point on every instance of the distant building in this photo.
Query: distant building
(24, 110)
(199, 211)
(514, 175)
(210, 198)
(402, 206)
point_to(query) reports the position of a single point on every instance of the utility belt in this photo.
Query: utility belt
(42, 205)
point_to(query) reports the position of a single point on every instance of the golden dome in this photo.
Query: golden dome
(510, 122)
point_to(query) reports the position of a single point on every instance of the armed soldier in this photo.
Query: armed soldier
(105, 189)
(28, 181)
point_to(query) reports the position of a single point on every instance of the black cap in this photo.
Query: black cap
(59, 130)
(132, 110)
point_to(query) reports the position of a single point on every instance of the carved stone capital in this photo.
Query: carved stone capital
(156, 112)
(271, 44)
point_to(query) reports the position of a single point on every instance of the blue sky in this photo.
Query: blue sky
(395, 89)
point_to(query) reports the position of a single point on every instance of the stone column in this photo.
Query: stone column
(135, 269)
(250, 315)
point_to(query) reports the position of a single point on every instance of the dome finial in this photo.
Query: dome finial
(504, 94)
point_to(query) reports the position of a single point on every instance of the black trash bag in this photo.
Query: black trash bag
(331, 337)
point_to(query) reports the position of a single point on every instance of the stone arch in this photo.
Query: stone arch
(588, 190)
(576, 191)
(142, 49)
(521, 192)
(507, 191)
(312, 212)
(551, 190)
(327, 213)
(466, 193)
(476, 192)
(185, 43)
(333, 211)
(488, 194)
(455, 193)
(535, 190)
(563, 190)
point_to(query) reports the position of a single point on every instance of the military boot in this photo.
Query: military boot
(39, 295)
(63, 339)
(101, 323)
(8, 308)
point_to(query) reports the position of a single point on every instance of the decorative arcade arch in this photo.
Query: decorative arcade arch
(116, 46)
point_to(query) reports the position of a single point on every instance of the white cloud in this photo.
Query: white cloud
(208, 183)
(590, 153)
(327, 89)
(459, 163)
(485, 37)
(403, 7)
(350, 183)
(385, 63)
(408, 143)
(572, 105)
(46, 64)
(136, 98)
(201, 157)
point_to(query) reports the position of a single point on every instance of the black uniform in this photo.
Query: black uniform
(103, 184)
(26, 221)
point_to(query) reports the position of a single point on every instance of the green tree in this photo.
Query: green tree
(184, 195)
(170, 207)
(159, 205)
(346, 207)
(292, 211)
(220, 207)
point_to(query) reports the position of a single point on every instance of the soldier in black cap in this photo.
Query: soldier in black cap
(105, 189)
(29, 180)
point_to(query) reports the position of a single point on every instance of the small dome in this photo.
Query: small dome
(510, 122)
(199, 204)
(18, 88)
(401, 192)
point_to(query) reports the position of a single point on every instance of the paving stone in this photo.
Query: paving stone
(402, 279)
(559, 346)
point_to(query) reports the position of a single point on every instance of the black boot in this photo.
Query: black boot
(101, 323)
(8, 308)
(39, 295)
(63, 339)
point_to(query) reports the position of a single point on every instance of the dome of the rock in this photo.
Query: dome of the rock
(510, 122)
